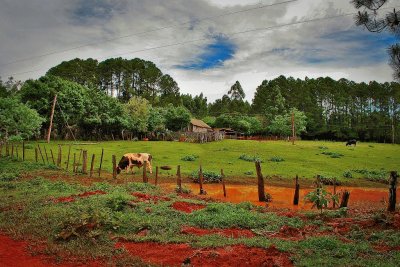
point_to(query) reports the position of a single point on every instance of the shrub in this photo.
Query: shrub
(347, 174)
(276, 159)
(321, 198)
(332, 154)
(323, 147)
(189, 158)
(329, 180)
(250, 158)
(209, 177)
(8, 177)
(249, 173)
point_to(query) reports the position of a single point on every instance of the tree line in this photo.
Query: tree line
(119, 97)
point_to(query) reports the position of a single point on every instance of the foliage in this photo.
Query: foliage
(250, 158)
(177, 118)
(276, 159)
(282, 124)
(137, 110)
(347, 174)
(332, 154)
(321, 198)
(236, 92)
(245, 124)
(190, 158)
(208, 177)
(17, 121)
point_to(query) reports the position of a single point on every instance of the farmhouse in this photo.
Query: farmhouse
(198, 126)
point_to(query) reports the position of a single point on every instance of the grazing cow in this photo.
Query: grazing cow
(351, 142)
(130, 160)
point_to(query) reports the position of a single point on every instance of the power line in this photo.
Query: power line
(148, 31)
(206, 38)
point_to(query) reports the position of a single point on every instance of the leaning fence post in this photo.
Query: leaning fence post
(52, 156)
(201, 181)
(114, 163)
(345, 199)
(296, 192)
(79, 160)
(59, 156)
(41, 155)
(223, 182)
(101, 160)
(156, 181)
(45, 152)
(74, 164)
(392, 191)
(84, 162)
(261, 190)
(92, 165)
(36, 154)
(179, 179)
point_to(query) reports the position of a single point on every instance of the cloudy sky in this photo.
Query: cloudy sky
(205, 45)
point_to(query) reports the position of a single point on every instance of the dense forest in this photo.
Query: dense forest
(119, 97)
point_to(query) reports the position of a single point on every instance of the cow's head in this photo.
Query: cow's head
(123, 164)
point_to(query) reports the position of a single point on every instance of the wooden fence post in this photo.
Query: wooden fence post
(392, 191)
(345, 199)
(69, 152)
(23, 151)
(114, 163)
(16, 149)
(7, 150)
(41, 155)
(45, 152)
(101, 160)
(12, 150)
(156, 181)
(1, 149)
(74, 164)
(92, 165)
(79, 160)
(144, 172)
(52, 156)
(202, 192)
(59, 156)
(261, 190)
(84, 162)
(179, 179)
(36, 154)
(223, 182)
(296, 192)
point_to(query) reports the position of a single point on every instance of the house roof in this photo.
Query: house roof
(199, 123)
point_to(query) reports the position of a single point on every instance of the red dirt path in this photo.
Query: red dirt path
(187, 207)
(15, 253)
(145, 197)
(73, 197)
(232, 232)
(177, 254)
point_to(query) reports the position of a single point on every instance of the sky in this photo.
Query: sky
(205, 45)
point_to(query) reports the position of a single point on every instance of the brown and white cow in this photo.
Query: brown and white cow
(129, 160)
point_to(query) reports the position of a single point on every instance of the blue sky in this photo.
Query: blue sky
(213, 54)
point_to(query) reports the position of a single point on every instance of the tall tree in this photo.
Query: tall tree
(371, 18)
(236, 92)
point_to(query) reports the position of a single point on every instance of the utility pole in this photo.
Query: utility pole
(51, 118)
(293, 132)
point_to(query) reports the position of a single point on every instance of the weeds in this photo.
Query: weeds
(250, 158)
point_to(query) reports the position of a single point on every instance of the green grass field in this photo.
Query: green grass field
(305, 158)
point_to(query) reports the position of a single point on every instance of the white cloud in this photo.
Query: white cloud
(35, 27)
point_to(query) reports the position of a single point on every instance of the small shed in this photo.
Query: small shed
(198, 126)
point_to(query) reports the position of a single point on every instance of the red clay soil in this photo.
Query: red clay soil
(231, 232)
(187, 207)
(145, 197)
(73, 197)
(177, 254)
(15, 254)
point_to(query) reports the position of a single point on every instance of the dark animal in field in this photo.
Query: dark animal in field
(351, 142)
(130, 160)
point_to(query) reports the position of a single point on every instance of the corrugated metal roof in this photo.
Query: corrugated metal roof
(199, 123)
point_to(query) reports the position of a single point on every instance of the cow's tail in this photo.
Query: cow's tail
(150, 157)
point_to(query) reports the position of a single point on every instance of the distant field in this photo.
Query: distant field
(305, 158)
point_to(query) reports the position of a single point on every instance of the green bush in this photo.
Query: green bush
(250, 158)
(347, 174)
(332, 154)
(276, 159)
(189, 158)
(8, 177)
(208, 177)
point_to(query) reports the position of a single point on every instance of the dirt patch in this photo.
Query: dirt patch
(16, 253)
(72, 198)
(178, 254)
(231, 232)
(187, 207)
(145, 197)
